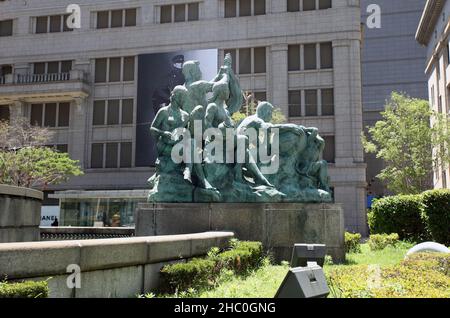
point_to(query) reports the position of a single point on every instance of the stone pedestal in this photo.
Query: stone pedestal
(20, 214)
(279, 226)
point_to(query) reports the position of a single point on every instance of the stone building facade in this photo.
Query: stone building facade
(434, 32)
(304, 57)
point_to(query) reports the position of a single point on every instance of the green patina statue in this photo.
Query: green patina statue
(204, 157)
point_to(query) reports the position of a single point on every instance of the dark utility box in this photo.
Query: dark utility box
(304, 282)
(304, 253)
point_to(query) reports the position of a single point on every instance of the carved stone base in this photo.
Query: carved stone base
(279, 226)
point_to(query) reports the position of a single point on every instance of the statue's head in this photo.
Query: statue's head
(265, 111)
(191, 71)
(178, 96)
(221, 90)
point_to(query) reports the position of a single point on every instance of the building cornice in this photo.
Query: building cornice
(428, 20)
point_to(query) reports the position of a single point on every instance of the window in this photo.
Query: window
(247, 58)
(243, 8)
(193, 12)
(116, 18)
(330, 149)
(5, 70)
(309, 5)
(4, 113)
(63, 148)
(97, 156)
(118, 69)
(327, 102)
(55, 67)
(52, 24)
(294, 57)
(166, 14)
(311, 102)
(295, 104)
(310, 58)
(113, 112)
(259, 97)
(324, 4)
(179, 12)
(293, 5)
(111, 155)
(50, 114)
(6, 28)
(326, 55)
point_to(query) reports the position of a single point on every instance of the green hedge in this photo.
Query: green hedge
(379, 242)
(399, 214)
(437, 214)
(352, 242)
(27, 289)
(200, 273)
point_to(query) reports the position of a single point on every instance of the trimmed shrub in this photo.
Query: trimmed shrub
(183, 276)
(28, 289)
(352, 242)
(419, 276)
(379, 242)
(400, 214)
(437, 214)
(244, 257)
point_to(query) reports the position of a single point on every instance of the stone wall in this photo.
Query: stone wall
(278, 226)
(20, 214)
(109, 268)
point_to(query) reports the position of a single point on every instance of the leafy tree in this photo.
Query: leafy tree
(25, 161)
(406, 140)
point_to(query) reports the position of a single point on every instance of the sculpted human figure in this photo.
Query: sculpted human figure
(167, 121)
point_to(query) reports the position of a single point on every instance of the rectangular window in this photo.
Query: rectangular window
(6, 28)
(128, 68)
(127, 111)
(102, 19)
(245, 8)
(230, 8)
(324, 4)
(166, 14)
(310, 57)
(4, 113)
(260, 59)
(52, 67)
(113, 112)
(112, 152)
(114, 69)
(39, 68)
(100, 70)
(64, 115)
(260, 7)
(293, 5)
(116, 18)
(41, 24)
(125, 154)
(66, 66)
(245, 62)
(62, 148)
(295, 104)
(55, 23)
(193, 12)
(309, 5)
(180, 13)
(65, 27)
(97, 156)
(327, 102)
(310, 102)
(260, 97)
(36, 114)
(294, 57)
(330, 149)
(326, 55)
(130, 17)
(50, 115)
(99, 112)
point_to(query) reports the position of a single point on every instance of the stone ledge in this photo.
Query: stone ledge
(40, 259)
(21, 192)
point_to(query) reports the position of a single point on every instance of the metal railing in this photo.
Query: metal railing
(86, 233)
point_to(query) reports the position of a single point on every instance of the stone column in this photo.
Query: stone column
(77, 134)
(276, 6)
(278, 77)
(16, 111)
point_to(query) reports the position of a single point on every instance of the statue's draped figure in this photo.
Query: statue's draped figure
(203, 176)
